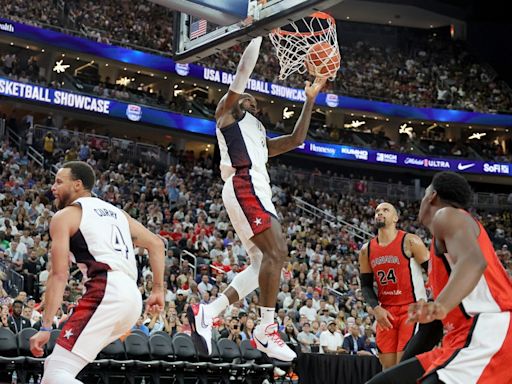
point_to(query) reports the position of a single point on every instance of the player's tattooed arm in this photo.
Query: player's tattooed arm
(414, 247)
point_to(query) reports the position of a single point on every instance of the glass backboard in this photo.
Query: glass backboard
(205, 27)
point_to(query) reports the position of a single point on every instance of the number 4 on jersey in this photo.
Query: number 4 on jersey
(386, 278)
(118, 242)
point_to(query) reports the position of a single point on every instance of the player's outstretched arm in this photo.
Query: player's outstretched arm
(457, 231)
(286, 143)
(144, 238)
(60, 234)
(64, 223)
(243, 72)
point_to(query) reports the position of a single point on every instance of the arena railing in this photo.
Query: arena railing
(13, 137)
(19, 142)
(15, 280)
(354, 230)
(152, 153)
(129, 149)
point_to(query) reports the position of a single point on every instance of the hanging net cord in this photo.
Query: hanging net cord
(293, 42)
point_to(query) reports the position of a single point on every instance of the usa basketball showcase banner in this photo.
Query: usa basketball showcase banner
(166, 64)
(163, 118)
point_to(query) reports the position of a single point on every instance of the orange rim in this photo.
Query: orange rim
(317, 15)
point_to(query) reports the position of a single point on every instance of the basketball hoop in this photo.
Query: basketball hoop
(309, 44)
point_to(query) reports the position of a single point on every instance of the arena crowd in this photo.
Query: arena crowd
(319, 283)
(24, 67)
(434, 71)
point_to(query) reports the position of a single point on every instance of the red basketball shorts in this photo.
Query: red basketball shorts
(395, 339)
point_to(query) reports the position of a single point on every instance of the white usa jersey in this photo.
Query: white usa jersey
(243, 145)
(103, 241)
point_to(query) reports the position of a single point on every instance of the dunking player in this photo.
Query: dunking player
(394, 258)
(247, 196)
(98, 237)
(472, 292)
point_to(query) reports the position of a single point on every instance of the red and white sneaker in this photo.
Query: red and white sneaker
(267, 340)
(201, 326)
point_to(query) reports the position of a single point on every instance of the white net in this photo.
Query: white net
(310, 44)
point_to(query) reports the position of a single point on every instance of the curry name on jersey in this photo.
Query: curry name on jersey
(103, 241)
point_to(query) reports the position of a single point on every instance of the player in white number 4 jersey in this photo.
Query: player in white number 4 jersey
(98, 237)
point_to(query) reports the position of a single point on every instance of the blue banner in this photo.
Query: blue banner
(161, 118)
(168, 65)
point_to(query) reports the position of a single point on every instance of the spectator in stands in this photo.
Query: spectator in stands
(16, 321)
(31, 269)
(43, 277)
(306, 338)
(308, 310)
(157, 323)
(140, 325)
(291, 333)
(48, 146)
(185, 325)
(232, 332)
(247, 329)
(369, 341)
(331, 341)
(26, 238)
(204, 286)
(4, 320)
(354, 343)
(172, 324)
(5, 299)
(16, 255)
(283, 294)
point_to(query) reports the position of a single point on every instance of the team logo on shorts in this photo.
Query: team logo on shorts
(134, 112)
(182, 69)
(332, 100)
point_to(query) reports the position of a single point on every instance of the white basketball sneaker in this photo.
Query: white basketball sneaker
(201, 325)
(267, 340)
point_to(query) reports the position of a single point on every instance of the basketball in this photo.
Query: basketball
(323, 59)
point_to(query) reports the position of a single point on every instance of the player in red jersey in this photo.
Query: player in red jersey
(393, 258)
(472, 297)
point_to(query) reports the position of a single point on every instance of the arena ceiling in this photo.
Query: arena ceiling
(416, 13)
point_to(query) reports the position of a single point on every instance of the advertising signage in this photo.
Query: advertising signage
(193, 71)
(147, 115)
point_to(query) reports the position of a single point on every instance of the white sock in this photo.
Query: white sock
(214, 309)
(267, 315)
